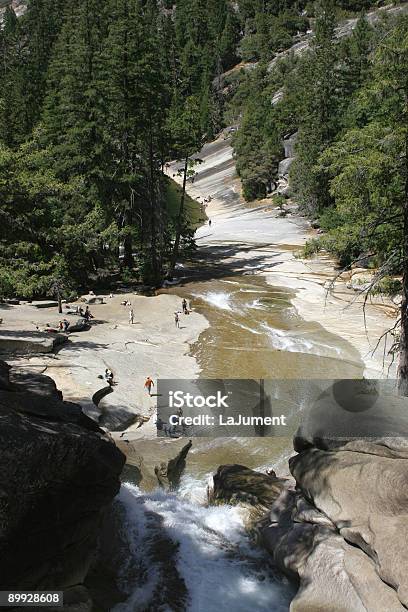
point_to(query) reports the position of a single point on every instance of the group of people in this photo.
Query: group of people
(131, 311)
(85, 314)
(63, 325)
(186, 311)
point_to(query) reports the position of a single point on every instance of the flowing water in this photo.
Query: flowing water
(183, 555)
(256, 333)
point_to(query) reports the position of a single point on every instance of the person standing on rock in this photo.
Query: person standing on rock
(148, 385)
(131, 316)
(184, 305)
(209, 222)
(177, 320)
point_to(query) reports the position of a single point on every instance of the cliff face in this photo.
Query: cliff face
(58, 472)
(341, 528)
(344, 530)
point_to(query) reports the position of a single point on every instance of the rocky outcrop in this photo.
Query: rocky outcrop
(29, 343)
(285, 165)
(237, 484)
(169, 475)
(58, 473)
(343, 530)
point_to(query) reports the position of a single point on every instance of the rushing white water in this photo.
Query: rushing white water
(211, 556)
(219, 299)
(285, 341)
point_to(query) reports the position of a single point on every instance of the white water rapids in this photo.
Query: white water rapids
(211, 566)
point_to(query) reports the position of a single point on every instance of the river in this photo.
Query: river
(181, 554)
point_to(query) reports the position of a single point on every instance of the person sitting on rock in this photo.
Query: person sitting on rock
(66, 325)
(109, 376)
(87, 314)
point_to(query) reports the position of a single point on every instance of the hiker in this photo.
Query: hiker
(184, 305)
(60, 326)
(148, 385)
(87, 314)
(131, 316)
(109, 376)
(177, 320)
(66, 325)
(209, 222)
(81, 311)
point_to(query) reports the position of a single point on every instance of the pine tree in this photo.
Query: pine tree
(320, 117)
(12, 108)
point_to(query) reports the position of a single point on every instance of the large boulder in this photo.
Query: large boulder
(169, 474)
(29, 343)
(80, 325)
(237, 483)
(58, 473)
(92, 299)
(343, 531)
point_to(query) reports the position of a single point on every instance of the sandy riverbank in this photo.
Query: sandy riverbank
(276, 242)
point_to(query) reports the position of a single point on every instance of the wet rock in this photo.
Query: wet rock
(58, 472)
(237, 483)
(169, 475)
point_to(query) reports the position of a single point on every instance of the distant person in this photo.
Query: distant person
(209, 222)
(81, 311)
(65, 324)
(131, 316)
(177, 320)
(60, 326)
(148, 385)
(184, 305)
(87, 314)
(109, 376)
(111, 295)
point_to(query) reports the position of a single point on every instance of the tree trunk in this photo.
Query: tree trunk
(128, 252)
(179, 222)
(403, 355)
(59, 302)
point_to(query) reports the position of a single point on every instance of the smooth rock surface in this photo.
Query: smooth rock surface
(29, 343)
(343, 532)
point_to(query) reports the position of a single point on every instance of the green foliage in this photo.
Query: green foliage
(94, 99)
(194, 216)
(312, 247)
